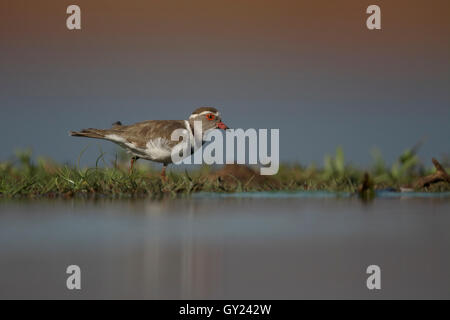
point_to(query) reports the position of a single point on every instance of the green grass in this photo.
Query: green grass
(22, 177)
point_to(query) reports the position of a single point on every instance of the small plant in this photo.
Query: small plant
(402, 171)
(334, 167)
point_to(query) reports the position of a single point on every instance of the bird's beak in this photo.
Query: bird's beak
(222, 125)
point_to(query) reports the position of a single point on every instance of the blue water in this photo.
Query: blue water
(228, 246)
(318, 195)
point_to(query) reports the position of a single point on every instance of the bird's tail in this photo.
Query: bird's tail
(90, 133)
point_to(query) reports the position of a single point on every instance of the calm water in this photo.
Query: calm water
(243, 246)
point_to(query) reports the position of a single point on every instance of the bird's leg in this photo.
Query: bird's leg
(163, 172)
(133, 160)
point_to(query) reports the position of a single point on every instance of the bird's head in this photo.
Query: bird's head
(209, 117)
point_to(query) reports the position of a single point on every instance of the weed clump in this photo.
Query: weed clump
(23, 177)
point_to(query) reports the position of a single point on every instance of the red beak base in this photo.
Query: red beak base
(222, 126)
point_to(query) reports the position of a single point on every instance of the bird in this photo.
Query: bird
(151, 139)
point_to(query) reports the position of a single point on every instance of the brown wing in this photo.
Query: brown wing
(142, 132)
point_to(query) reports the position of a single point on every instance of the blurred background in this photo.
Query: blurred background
(311, 69)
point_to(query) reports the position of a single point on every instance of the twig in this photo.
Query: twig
(438, 176)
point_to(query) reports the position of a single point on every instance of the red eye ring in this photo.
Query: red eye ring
(210, 116)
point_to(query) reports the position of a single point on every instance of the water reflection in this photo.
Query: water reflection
(228, 247)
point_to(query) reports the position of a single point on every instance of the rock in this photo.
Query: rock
(232, 174)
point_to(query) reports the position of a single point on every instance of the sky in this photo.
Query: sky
(309, 68)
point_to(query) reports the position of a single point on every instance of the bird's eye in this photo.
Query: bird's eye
(210, 116)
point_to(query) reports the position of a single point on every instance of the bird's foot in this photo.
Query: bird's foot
(133, 160)
(163, 174)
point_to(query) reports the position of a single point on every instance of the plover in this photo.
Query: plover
(150, 139)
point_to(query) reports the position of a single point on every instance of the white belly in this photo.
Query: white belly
(156, 149)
